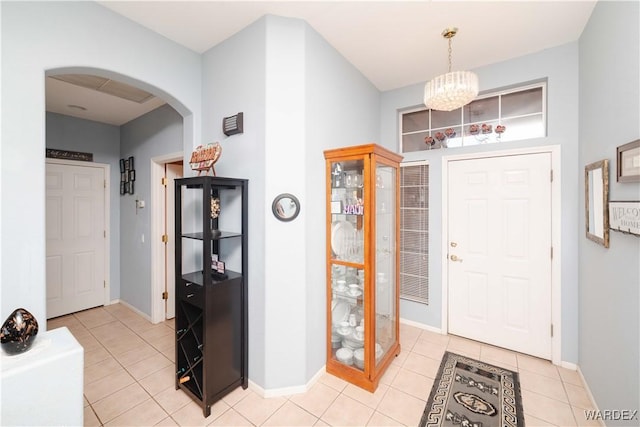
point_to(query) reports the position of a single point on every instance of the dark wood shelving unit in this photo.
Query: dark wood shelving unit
(211, 312)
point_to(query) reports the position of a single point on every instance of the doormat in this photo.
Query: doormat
(470, 393)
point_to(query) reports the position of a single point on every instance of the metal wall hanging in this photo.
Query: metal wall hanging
(285, 207)
(127, 176)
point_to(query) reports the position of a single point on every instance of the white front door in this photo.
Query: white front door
(172, 171)
(499, 251)
(75, 234)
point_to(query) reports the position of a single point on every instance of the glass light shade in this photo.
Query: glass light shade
(450, 91)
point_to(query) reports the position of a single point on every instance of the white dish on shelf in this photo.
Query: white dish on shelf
(340, 312)
(345, 332)
(340, 232)
(345, 355)
(358, 358)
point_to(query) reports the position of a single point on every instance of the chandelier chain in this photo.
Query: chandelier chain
(449, 54)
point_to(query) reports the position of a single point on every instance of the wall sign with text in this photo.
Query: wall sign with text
(625, 217)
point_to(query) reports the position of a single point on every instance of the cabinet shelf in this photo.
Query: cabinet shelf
(197, 277)
(201, 236)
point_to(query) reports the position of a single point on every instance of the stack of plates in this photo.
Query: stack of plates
(345, 355)
(358, 358)
(336, 341)
(352, 343)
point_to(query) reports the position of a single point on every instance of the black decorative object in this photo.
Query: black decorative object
(53, 153)
(18, 331)
(127, 176)
(232, 124)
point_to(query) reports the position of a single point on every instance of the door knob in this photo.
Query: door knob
(455, 258)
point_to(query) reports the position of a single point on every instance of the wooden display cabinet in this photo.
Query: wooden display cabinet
(362, 190)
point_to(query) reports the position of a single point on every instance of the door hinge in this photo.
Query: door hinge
(551, 252)
(104, 183)
(551, 175)
(164, 181)
(104, 233)
(165, 238)
(552, 330)
(104, 284)
(165, 295)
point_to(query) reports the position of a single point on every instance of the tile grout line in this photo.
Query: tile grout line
(123, 367)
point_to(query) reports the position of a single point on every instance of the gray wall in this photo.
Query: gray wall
(240, 86)
(342, 109)
(156, 133)
(103, 140)
(610, 278)
(295, 91)
(37, 40)
(560, 67)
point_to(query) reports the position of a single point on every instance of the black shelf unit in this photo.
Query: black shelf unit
(211, 314)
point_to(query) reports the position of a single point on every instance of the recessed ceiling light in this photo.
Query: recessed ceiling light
(77, 107)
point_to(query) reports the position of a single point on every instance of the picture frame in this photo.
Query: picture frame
(122, 188)
(624, 216)
(122, 166)
(131, 163)
(628, 162)
(126, 165)
(132, 175)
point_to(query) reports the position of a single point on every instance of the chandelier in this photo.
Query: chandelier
(452, 90)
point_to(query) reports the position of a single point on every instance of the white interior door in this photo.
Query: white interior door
(172, 171)
(499, 261)
(75, 234)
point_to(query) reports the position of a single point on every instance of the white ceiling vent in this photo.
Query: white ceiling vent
(104, 85)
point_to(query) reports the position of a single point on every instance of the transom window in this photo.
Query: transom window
(507, 115)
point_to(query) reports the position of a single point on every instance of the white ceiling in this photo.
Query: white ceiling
(393, 43)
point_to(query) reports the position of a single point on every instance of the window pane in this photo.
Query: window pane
(520, 103)
(481, 110)
(523, 128)
(444, 119)
(418, 120)
(414, 236)
(450, 139)
(481, 137)
(414, 142)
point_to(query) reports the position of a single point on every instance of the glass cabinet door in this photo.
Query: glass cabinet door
(347, 270)
(347, 211)
(385, 260)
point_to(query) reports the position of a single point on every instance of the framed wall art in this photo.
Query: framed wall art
(625, 217)
(127, 176)
(628, 162)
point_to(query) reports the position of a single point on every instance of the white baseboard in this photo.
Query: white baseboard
(588, 390)
(569, 365)
(286, 391)
(422, 326)
(132, 308)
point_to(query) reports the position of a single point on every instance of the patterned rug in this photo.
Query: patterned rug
(470, 393)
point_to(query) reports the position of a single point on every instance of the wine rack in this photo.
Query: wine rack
(211, 306)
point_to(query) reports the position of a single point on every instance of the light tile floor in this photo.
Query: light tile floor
(129, 380)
